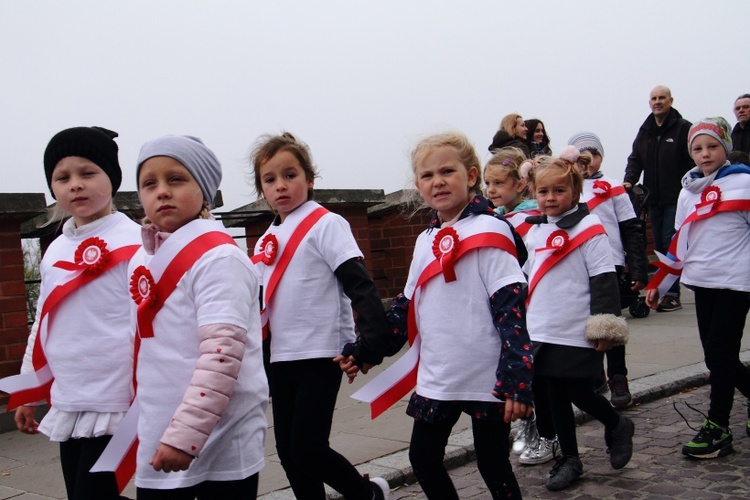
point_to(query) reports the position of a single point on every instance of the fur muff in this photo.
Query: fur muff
(607, 327)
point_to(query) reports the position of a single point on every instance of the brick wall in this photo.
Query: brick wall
(13, 328)
(392, 234)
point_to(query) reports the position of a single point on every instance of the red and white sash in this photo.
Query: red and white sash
(559, 245)
(518, 220)
(173, 259)
(396, 381)
(599, 191)
(269, 251)
(93, 257)
(712, 201)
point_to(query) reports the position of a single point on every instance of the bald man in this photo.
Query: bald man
(741, 131)
(660, 153)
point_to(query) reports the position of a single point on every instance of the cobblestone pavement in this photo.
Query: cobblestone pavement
(657, 470)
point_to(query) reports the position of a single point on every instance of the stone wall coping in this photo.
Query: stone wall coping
(21, 206)
(398, 200)
(341, 197)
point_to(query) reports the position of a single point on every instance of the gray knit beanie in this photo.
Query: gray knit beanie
(586, 141)
(200, 161)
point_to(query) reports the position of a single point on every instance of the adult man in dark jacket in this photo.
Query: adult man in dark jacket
(741, 131)
(660, 152)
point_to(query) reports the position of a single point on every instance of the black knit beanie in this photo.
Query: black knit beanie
(93, 143)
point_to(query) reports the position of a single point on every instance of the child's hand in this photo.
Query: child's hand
(515, 410)
(652, 298)
(346, 363)
(603, 345)
(170, 459)
(26, 420)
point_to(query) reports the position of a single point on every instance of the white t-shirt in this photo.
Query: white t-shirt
(219, 288)
(610, 212)
(560, 303)
(718, 247)
(89, 342)
(309, 315)
(460, 346)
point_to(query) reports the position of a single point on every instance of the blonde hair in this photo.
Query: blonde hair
(463, 148)
(561, 168)
(55, 213)
(585, 159)
(509, 161)
(509, 123)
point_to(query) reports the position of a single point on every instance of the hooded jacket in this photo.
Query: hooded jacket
(663, 160)
(503, 139)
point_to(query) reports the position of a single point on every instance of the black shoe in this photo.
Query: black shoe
(621, 443)
(566, 470)
(668, 304)
(620, 396)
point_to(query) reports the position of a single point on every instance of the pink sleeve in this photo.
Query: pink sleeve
(221, 349)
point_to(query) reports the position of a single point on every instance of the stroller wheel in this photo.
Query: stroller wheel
(639, 309)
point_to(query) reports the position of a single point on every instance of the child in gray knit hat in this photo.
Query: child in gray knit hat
(202, 390)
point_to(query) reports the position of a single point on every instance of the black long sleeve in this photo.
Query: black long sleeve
(373, 339)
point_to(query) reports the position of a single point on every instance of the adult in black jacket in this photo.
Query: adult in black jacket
(512, 134)
(660, 152)
(741, 131)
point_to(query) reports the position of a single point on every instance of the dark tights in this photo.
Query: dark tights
(561, 392)
(427, 451)
(77, 456)
(243, 489)
(303, 395)
(721, 322)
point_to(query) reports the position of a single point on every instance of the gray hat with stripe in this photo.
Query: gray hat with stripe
(200, 161)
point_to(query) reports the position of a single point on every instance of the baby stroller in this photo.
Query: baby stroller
(633, 300)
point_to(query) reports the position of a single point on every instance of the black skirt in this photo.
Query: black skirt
(554, 360)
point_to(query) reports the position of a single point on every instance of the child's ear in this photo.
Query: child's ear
(472, 175)
(520, 185)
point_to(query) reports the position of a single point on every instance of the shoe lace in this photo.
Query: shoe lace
(559, 460)
(705, 417)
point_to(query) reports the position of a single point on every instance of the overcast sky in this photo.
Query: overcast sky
(359, 81)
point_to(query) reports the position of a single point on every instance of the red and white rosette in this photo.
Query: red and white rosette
(710, 199)
(91, 257)
(269, 248)
(602, 188)
(558, 241)
(142, 287)
(445, 248)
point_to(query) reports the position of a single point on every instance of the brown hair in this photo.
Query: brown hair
(269, 145)
(460, 143)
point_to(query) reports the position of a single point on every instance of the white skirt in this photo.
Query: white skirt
(61, 425)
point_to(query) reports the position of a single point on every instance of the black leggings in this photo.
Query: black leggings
(721, 322)
(427, 451)
(207, 490)
(303, 397)
(77, 456)
(561, 392)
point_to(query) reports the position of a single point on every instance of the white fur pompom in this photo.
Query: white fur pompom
(607, 327)
(570, 153)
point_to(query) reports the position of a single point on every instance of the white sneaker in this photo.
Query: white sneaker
(383, 487)
(526, 434)
(541, 451)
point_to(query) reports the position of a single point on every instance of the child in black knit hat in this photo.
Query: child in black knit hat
(79, 354)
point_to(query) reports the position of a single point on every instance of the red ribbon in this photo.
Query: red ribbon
(603, 191)
(445, 247)
(269, 248)
(184, 260)
(286, 256)
(58, 294)
(559, 255)
(403, 386)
